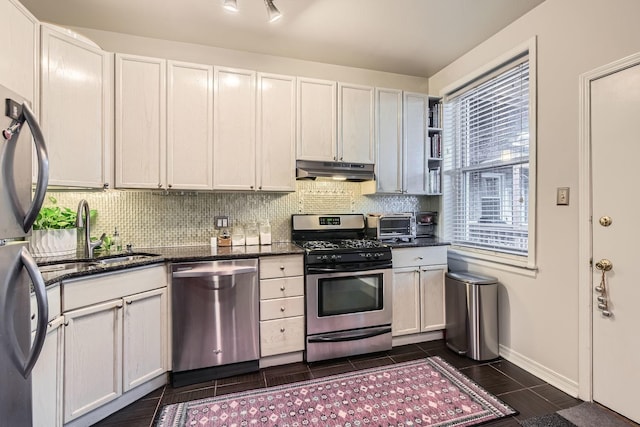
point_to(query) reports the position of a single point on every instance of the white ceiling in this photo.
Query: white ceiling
(413, 37)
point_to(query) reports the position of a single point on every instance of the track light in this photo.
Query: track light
(231, 5)
(274, 13)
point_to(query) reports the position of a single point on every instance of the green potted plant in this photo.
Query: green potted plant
(54, 231)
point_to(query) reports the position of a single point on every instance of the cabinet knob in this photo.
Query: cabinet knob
(282, 267)
(282, 288)
(170, 185)
(105, 185)
(159, 185)
(129, 302)
(119, 306)
(281, 329)
(66, 323)
(282, 309)
(420, 258)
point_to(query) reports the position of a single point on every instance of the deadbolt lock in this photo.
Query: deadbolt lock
(605, 221)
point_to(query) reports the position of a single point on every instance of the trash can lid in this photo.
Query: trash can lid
(463, 276)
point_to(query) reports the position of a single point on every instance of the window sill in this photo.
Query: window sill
(491, 261)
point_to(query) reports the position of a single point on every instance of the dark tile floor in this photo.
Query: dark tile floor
(526, 393)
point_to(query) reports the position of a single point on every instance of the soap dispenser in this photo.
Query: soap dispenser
(116, 242)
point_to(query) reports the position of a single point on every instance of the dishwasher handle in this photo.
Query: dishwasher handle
(212, 271)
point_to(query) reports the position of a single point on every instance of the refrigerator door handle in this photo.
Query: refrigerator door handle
(43, 167)
(43, 311)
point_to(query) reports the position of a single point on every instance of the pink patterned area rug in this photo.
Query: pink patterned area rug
(427, 392)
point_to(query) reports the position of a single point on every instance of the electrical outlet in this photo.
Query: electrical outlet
(562, 196)
(221, 222)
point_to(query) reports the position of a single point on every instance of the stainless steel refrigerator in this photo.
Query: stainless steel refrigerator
(19, 275)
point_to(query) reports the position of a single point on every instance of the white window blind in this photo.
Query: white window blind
(486, 165)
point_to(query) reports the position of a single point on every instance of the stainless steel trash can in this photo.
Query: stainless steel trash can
(472, 315)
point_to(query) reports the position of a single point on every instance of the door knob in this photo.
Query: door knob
(605, 221)
(604, 265)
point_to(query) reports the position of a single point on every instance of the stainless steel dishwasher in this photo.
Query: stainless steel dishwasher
(215, 312)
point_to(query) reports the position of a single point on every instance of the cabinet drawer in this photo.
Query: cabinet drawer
(281, 266)
(103, 287)
(281, 308)
(281, 288)
(281, 336)
(411, 257)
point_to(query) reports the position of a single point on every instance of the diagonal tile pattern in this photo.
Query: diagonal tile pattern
(516, 387)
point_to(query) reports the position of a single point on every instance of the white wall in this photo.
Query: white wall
(539, 315)
(123, 43)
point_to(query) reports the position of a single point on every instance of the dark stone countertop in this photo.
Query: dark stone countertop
(418, 243)
(55, 270)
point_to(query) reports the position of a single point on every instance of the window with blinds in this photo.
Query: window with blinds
(486, 166)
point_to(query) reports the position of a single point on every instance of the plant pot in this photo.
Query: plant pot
(50, 243)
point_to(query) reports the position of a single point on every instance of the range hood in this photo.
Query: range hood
(338, 171)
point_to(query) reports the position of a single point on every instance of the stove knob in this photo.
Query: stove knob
(333, 257)
(368, 255)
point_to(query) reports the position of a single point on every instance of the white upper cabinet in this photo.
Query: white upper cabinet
(140, 122)
(389, 141)
(189, 126)
(416, 108)
(19, 44)
(335, 121)
(234, 129)
(316, 120)
(355, 123)
(76, 111)
(276, 132)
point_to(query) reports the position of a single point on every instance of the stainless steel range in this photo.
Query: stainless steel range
(348, 286)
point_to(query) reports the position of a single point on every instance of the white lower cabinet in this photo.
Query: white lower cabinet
(282, 318)
(115, 336)
(145, 326)
(418, 289)
(92, 357)
(47, 378)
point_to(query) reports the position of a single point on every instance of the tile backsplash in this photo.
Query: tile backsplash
(155, 218)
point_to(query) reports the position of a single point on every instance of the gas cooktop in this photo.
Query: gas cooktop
(340, 244)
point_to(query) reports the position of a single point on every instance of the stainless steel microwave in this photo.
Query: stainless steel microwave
(395, 226)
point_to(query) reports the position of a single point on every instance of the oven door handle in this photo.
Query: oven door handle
(350, 336)
(347, 268)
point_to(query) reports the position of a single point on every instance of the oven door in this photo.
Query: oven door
(343, 301)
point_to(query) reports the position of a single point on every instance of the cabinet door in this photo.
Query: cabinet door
(281, 336)
(189, 126)
(355, 123)
(276, 133)
(47, 378)
(432, 297)
(145, 337)
(234, 120)
(140, 122)
(19, 46)
(406, 301)
(389, 140)
(92, 358)
(415, 138)
(76, 110)
(316, 120)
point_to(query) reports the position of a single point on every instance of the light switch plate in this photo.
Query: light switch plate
(562, 196)
(221, 222)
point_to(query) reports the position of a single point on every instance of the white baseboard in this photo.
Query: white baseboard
(555, 379)
(416, 338)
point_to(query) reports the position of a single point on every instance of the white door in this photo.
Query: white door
(615, 110)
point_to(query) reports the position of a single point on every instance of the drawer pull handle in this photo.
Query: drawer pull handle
(282, 288)
(281, 329)
(282, 309)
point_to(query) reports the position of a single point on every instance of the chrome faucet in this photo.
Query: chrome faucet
(83, 219)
